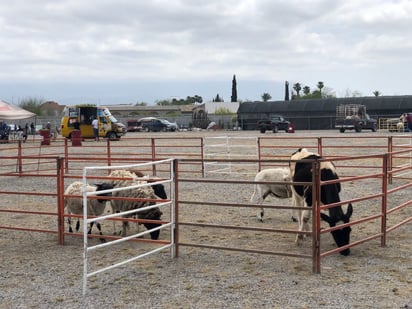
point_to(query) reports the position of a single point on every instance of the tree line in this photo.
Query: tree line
(298, 92)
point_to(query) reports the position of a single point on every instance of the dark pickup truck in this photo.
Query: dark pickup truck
(275, 124)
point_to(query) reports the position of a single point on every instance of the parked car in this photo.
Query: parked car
(134, 125)
(171, 126)
(153, 125)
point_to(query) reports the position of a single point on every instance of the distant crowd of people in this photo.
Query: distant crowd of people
(23, 132)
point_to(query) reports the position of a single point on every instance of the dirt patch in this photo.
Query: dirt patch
(36, 272)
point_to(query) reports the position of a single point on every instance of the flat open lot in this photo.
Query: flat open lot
(36, 272)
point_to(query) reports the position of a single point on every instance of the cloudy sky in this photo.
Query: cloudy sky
(128, 51)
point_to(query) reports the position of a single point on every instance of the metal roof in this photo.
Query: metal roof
(380, 103)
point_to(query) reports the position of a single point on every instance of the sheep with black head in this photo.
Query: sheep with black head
(125, 178)
(95, 207)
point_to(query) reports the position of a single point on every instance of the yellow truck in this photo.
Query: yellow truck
(80, 117)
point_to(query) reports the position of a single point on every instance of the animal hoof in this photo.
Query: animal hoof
(345, 252)
(294, 219)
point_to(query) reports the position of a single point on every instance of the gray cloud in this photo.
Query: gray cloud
(360, 45)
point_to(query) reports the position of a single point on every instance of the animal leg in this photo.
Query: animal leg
(295, 212)
(295, 215)
(69, 221)
(90, 229)
(114, 228)
(298, 202)
(299, 236)
(261, 199)
(99, 227)
(305, 219)
(125, 227)
(260, 212)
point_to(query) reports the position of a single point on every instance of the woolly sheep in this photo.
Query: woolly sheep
(141, 192)
(159, 189)
(95, 207)
(261, 191)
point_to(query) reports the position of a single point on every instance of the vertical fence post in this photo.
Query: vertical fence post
(153, 146)
(109, 155)
(385, 160)
(60, 200)
(390, 161)
(66, 155)
(259, 154)
(316, 217)
(19, 159)
(202, 150)
(320, 146)
(176, 214)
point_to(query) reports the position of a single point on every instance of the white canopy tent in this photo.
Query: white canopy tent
(12, 112)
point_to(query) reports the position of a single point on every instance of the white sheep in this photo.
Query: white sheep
(95, 207)
(279, 190)
(146, 192)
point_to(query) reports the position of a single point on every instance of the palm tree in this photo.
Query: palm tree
(306, 90)
(297, 88)
(376, 93)
(266, 97)
(320, 86)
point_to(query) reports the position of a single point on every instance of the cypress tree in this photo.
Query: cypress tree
(286, 91)
(234, 90)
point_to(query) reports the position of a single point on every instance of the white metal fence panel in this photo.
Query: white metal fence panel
(230, 148)
(86, 220)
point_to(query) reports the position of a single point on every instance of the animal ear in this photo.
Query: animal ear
(325, 217)
(349, 211)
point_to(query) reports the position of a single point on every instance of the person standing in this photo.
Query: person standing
(95, 124)
(25, 132)
(33, 129)
(76, 124)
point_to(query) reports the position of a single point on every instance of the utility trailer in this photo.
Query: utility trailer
(354, 117)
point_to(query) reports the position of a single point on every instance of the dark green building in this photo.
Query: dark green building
(320, 114)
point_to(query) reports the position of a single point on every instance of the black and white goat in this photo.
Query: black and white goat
(278, 190)
(302, 196)
(95, 207)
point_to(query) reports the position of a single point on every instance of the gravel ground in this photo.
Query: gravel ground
(36, 272)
